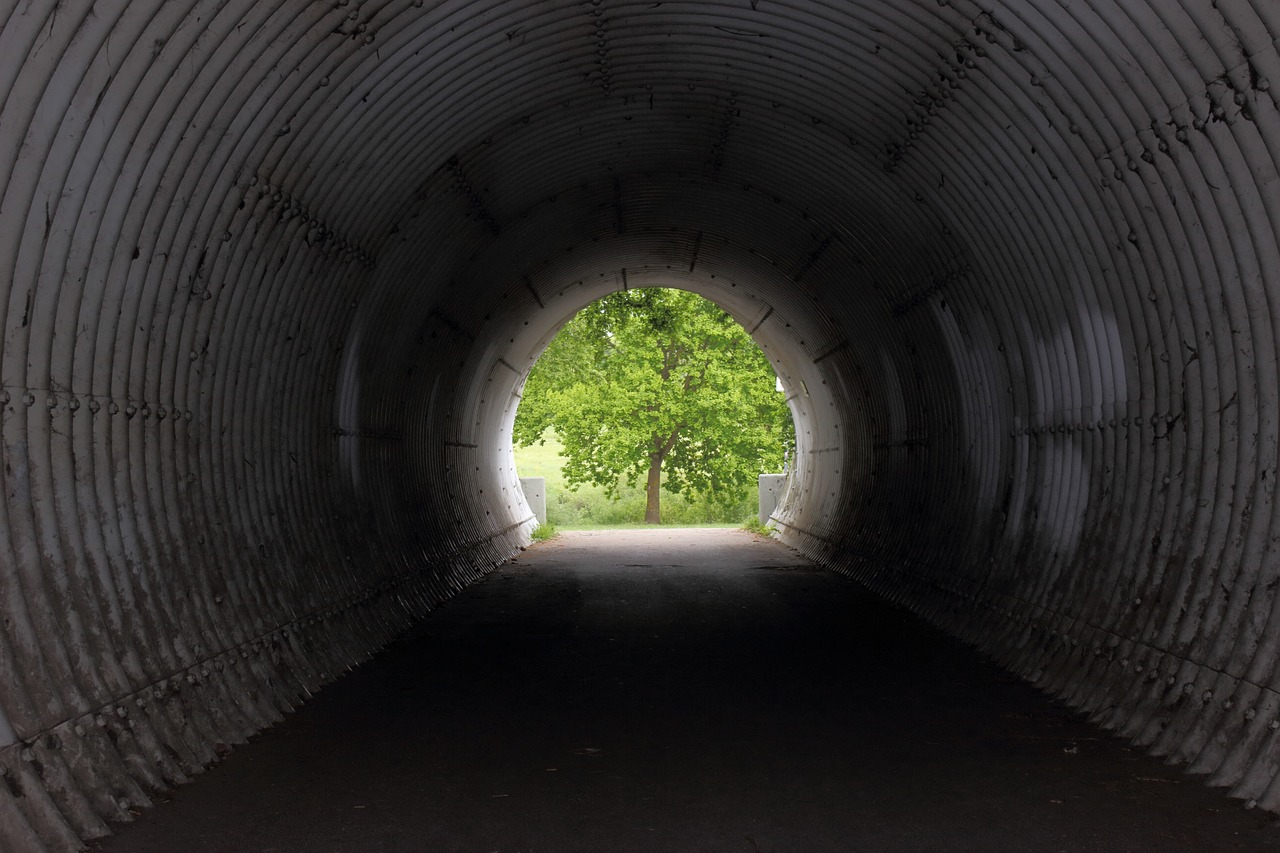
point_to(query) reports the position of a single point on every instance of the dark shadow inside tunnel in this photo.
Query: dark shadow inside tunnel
(655, 690)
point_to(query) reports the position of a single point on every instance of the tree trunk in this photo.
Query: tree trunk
(652, 513)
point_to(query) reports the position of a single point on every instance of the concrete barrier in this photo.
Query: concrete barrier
(535, 492)
(771, 487)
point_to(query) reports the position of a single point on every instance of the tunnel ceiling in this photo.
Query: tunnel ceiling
(275, 273)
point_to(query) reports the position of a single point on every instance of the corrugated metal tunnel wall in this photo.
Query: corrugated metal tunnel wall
(273, 273)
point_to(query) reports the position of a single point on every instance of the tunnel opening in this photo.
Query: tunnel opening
(658, 402)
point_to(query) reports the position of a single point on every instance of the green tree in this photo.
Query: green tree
(651, 381)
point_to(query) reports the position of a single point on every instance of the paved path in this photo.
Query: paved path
(674, 690)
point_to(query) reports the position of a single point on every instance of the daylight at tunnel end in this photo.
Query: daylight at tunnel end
(276, 273)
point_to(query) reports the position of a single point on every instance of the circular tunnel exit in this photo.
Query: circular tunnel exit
(273, 273)
(660, 404)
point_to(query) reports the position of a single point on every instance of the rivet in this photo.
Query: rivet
(28, 399)
(130, 410)
(53, 402)
(74, 404)
(113, 408)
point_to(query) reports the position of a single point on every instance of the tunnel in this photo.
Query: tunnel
(275, 273)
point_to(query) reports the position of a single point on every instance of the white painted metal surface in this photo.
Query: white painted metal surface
(273, 273)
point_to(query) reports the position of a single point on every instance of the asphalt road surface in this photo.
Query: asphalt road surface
(685, 690)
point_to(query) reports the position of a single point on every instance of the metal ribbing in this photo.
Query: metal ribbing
(273, 273)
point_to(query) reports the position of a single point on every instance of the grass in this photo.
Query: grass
(589, 508)
(543, 532)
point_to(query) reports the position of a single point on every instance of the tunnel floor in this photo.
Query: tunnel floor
(677, 690)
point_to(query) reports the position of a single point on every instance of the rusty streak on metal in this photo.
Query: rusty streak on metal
(528, 283)
(815, 255)
(758, 323)
(693, 253)
(831, 349)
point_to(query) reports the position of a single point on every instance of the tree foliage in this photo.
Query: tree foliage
(654, 382)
